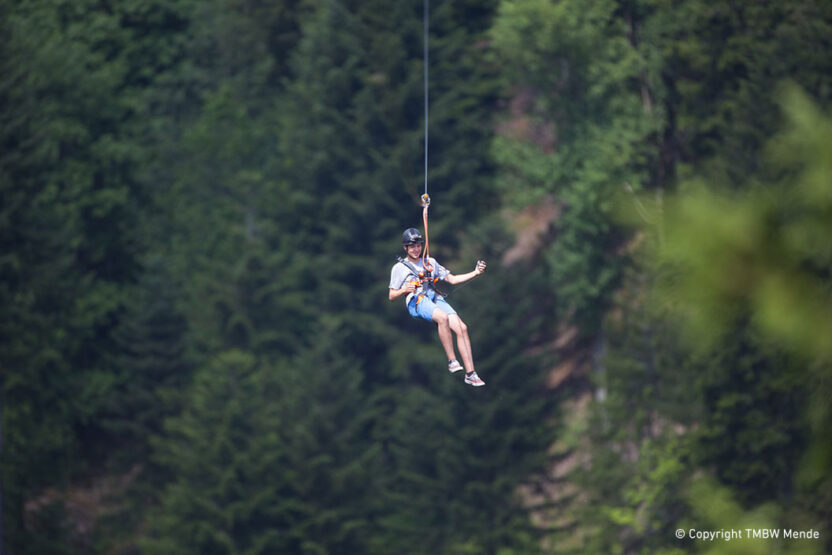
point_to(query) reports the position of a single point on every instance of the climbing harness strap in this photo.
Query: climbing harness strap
(423, 277)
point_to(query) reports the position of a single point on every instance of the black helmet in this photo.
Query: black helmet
(411, 236)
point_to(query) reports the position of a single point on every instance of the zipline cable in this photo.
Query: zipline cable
(425, 25)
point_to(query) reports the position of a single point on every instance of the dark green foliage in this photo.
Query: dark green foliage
(69, 205)
(580, 127)
(639, 448)
(752, 432)
(335, 462)
(608, 96)
(762, 269)
(720, 66)
(228, 460)
(458, 455)
(665, 410)
(356, 120)
(200, 203)
(152, 363)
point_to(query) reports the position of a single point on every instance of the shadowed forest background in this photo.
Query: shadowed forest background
(200, 202)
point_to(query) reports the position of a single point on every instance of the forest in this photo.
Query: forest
(200, 205)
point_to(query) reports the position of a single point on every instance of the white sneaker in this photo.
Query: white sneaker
(454, 366)
(472, 379)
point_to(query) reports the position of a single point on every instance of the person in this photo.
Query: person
(410, 278)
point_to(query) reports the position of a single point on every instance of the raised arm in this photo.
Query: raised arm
(462, 278)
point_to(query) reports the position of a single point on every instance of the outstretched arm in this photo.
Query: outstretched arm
(457, 279)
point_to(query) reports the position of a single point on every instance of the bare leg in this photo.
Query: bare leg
(462, 341)
(445, 336)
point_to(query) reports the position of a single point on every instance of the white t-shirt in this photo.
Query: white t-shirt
(401, 273)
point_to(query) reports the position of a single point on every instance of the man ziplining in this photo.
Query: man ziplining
(417, 273)
(415, 277)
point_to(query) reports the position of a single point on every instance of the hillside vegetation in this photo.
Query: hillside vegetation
(200, 203)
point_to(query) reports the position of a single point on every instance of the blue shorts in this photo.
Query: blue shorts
(423, 307)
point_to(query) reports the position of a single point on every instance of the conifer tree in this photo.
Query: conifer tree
(776, 289)
(460, 455)
(357, 91)
(151, 367)
(232, 241)
(582, 127)
(335, 461)
(68, 209)
(228, 458)
(638, 94)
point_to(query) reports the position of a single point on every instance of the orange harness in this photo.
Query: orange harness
(424, 278)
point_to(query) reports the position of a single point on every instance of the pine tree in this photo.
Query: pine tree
(459, 455)
(752, 433)
(228, 457)
(638, 94)
(582, 124)
(357, 89)
(64, 176)
(751, 272)
(719, 68)
(335, 460)
(151, 367)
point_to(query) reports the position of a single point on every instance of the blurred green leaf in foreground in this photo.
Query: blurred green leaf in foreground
(765, 253)
(763, 256)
